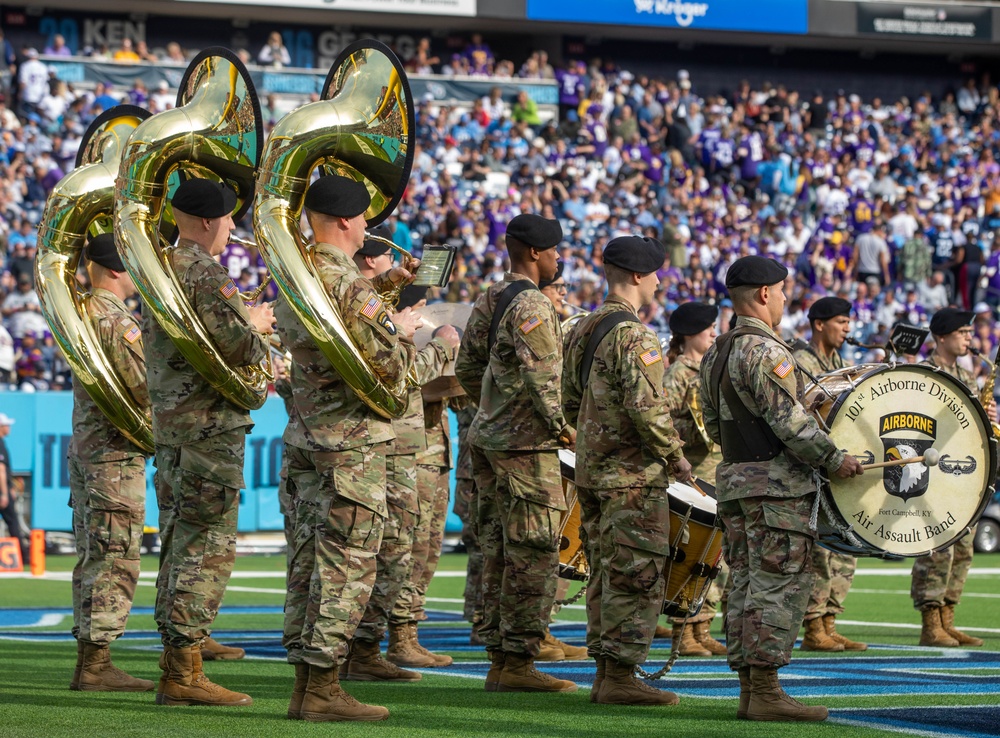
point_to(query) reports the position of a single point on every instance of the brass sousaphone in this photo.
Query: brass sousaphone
(80, 206)
(361, 129)
(215, 132)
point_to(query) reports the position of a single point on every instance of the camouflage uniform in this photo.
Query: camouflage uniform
(394, 559)
(624, 447)
(466, 506)
(200, 442)
(283, 389)
(765, 507)
(939, 578)
(336, 449)
(834, 572)
(515, 462)
(680, 385)
(107, 481)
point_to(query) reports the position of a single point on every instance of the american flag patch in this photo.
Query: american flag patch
(132, 335)
(530, 324)
(228, 289)
(372, 307)
(651, 357)
(783, 368)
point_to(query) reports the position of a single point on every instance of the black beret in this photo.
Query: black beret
(829, 307)
(546, 282)
(691, 318)
(638, 254)
(535, 231)
(204, 198)
(755, 271)
(373, 247)
(102, 250)
(338, 196)
(949, 320)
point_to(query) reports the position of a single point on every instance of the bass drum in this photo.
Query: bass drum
(880, 412)
(572, 558)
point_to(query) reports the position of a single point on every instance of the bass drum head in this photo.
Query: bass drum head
(900, 412)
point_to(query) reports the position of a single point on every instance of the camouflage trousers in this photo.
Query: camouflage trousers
(939, 578)
(768, 544)
(520, 507)
(428, 535)
(197, 491)
(336, 537)
(834, 574)
(627, 537)
(466, 505)
(395, 555)
(109, 507)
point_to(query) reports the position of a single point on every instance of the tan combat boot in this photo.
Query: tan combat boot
(520, 675)
(621, 687)
(298, 691)
(497, 660)
(569, 653)
(325, 701)
(598, 677)
(816, 638)
(212, 650)
(661, 631)
(830, 626)
(549, 649)
(184, 683)
(98, 674)
(367, 665)
(689, 645)
(948, 624)
(440, 659)
(74, 683)
(703, 634)
(404, 650)
(746, 690)
(931, 632)
(768, 701)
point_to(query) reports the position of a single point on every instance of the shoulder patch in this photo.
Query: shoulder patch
(783, 369)
(384, 321)
(371, 308)
(228, 289)
(530, 324)
(132, 334)
(650, 357)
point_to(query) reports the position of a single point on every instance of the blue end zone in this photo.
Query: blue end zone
(962, 721)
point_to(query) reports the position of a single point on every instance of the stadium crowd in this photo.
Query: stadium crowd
(894, 206)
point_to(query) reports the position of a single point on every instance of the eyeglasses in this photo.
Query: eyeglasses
(560, 286)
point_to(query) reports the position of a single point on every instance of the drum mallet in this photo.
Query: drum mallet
(930, 458)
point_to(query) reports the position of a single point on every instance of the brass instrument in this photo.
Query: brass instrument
(693, 401)
(215, 132)
(80, 205)
(359, 129)
(986, 393)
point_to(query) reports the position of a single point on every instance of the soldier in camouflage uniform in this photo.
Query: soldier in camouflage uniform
(830, 321)
(766, 489)
(692, 329)
(200, 442)
(939, 578)
(627, 454)
(336, 449)
(394, 561)
(466, 507)
(107, 476)
(515, 437)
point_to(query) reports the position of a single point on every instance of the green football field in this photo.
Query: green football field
(894, 688)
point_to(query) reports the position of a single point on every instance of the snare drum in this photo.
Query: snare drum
(880, 412)
(695, 550)
(572, 558)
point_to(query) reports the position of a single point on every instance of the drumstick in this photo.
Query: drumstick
(931, 457)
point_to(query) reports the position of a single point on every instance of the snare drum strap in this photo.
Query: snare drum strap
(746, 437)
(600, 332)
(506, 298)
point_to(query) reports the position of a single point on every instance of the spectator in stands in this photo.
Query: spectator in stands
(423, 61)
(144, 54)
(274, 53)
(479, 56)
(58, 47)
(174, 54)
(126, 53)
(33, 82)
(8, 64)
(103, 99)
(6, 357)
(525, 110)
(22, 310)
(138, 94)
(163, 98)
(969, 98)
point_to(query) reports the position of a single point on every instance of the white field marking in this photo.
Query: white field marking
(988, 595)
(47, 620)
(908, 626)
(887, 572)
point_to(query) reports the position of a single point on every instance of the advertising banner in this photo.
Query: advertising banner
(761, 16)
(943, 21)
(421, 7)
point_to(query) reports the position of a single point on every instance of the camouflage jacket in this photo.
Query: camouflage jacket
(520, 400)
(95, 438)
(428, 364)
(810, 359)
(328, 415)
(956, 370)
(763, 375)
(185, 406)
(438, 435)
(681, 387)
(625, 437)
(465, 414)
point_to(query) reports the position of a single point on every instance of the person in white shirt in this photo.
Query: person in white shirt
(33, 80)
